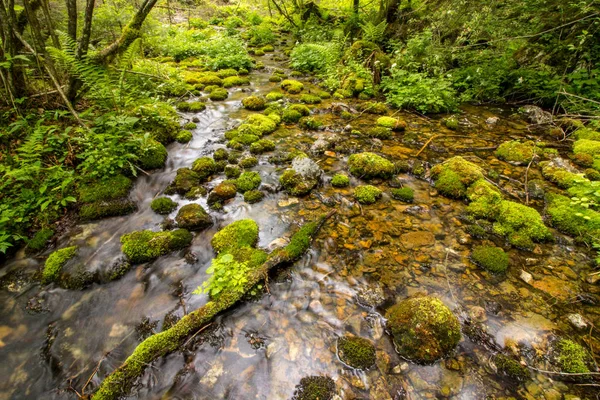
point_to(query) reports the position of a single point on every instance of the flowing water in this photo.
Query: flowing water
(56, 342)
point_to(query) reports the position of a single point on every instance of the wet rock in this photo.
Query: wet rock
(211, 376)
(417, 239)
(304, 175)
(477, 314)
(371, 296)
(380, 391)
(491, 120)
(593, 278)
(193, 217)
(577, 321)
(526, 276)
(319, 146)
(287, 202)
(536, 115)
(556, 287)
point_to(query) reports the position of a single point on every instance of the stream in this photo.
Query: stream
(56, 342)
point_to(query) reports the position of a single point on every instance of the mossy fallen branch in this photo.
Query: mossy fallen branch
(119, 383)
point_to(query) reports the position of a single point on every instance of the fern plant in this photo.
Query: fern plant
(374, 32)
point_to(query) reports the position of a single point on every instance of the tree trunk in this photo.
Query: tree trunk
(72, 19)
(388, 10)
(82, 48)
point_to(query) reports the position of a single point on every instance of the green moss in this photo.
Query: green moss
(232, 171)
(300, 241)
(190, 126)
(315, 388)
(342, 94)
(310, 123)
(210, 79)
(163, 205)
(275, 78)
(262, 125)
(107, 189)
(466, 172)
(106, 209)
(369, 165)
(218, 94)
(193, 106)
(223, 191)
(493, 259)
(249, 162)
(448, 183)
(340, 181)
(423, 328)
(451, 122)
(404, 194)
(153, 155)
(184, 136)
(204, 167)
(291, 116)
(238, 234)
(571, 357)
(292, 86)
(301, 108)
(367, 194)
(294, 184)
(511, 368)
(226, 73)
(253, 196)
(485, 200)
(144, 246)
(220, 155)
(310, 99)
(374, 108)
(262, 146)
(193, 217)
(517, 152)
(184, 181)
(521, 224)
(40, 239)
(54, 263)
(274, 96)
(391, 123)
(587, 133)
(563, 178)
(247, 139)
(379, 132)
(357, 352)
(592, 174)
(248, 180)
(254, 103)
(268, 48)
(573, 219)
(232, 81)
(586, 146)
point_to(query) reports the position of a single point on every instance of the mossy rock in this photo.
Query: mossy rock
(291, 116)
(404, 194)
(261, 124)
(340, 181)
(238, 234)
(490, 258)
(193, 217)
(253, 196)
(315, 388)
(517, 152)
(223, 191)
(232, 171)
(275, 78)
(227, 73)
(374, 108)
(451, 122)
(367, 194)
(254, 103)
(301, 108)
(262, 146)
(453, 176)
(379, 132)
(522, 225)
(370, 165)
(295, 184)
(511, 368)
(210, 79)
(394, 124)
(40, 239)
(184, 136)
(218, 94)
(424, 329)
(292, 86)
(248, 162)
(356, 352)
(220, 154)
(310, 99)
(587, 146)
(55, 262)
(111, 188)
(163, 205)
(274, 96)
(232, 81)
(248, 180)
(143, 246)
(561, 176)
(185, 180)
(190, 126)
(204, 167)
(310, 123)
(153, 155)
(193, 106)
(571, 357)
(106, 209)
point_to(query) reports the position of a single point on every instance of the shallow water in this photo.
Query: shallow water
(52, 340)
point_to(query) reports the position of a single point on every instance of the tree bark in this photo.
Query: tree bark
(82, 48)
(72, 19)
(388, 10)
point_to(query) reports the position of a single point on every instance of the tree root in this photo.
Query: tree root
(121, 380)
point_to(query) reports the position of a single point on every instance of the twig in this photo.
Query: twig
(436, 136)
(526, 177)
(564, 373)
(196, 334)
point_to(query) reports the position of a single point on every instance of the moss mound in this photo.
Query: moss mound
(112, 188)
(493, 259)
(223, 191)
(194, 106)
(163, 205)
(522, 225)
(511, 367)
(54, 263)
(274, 96)
(232, 171)
(193, 217)
(310, 99)
(374, 108)
(238, 234)
(315, 388)
(254, 103)
(571, 357)
(153, 155)
(453, 176)
(184, 136)
(380, 132)
(295, 184)
(404, 194)
(40, 239)
(370, 165)
(204, 167)
(340, 181)
(144, 246)
(394, 124)
(517, 152)
(218, 94)
(423, 328)
(292, 86)
(185, 181)
(248, 180)
(253, 196)
(262, 146)
(367, 194)
(357, 352)
(232, 81)
(106, 209)
(291, 116)
(248, 162)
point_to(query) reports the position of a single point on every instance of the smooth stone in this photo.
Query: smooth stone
(526, 276)
(577, 321)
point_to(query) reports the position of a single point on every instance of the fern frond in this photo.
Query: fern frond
(374, 32)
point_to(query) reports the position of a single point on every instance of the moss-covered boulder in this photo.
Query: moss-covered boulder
(238, 234)
(253, 196)
(254, 103)
(163, 205)
(517, 152)
(380, 132)
(106, 209)
(573, 219)
(263, 124)
(394, 124)
(223, 191)
(262, 146)
(55, 262)
(357, 352)
(193, 217)
(39, 240)
(204, 167)
(367, 194)
(423, 328)
(453, 176)
(218, 94)
(490, 258)
(370, 165)
(315, 388)
(340, 181)
(522, 225)
(143, 246)
(184, 136)
(111, 188)
(248, 180)
(302, 177)
(310, 99)
(232, 81)
(559, 171)
(292, 86)
(404, 194)
(291, 116)
(248, 162)
(185, 181)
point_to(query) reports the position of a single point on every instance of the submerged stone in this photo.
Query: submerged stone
(357, 352)
(493, 259)
(315, 388)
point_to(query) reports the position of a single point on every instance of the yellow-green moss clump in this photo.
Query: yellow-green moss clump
(238, 234)
(562, 177)
(186, 182)
(223, 191)
(380, 132)
(153, 155)
(218, 94)
(292, 86)
(274, 96)
(106, 198)
(193, 217)
(571, 357)
(184, 136)
(295, 184)
(204, 167)
(367, 194)
(370, 165)
(573, 219)
(453, 176)
(340, 181)
(394, 124)
(253, 196)
(232, 81)
(404, 194)
(262, 146)
(54, 263)
(254, 103)
(248, 180)
(357, 352)
(144, 246)
(315, 388)
(248, 162)
(511, 368)
(310, 99)
(493, 259)
(517, 152)
(423, 328)
(163, 205)
(40, 239)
